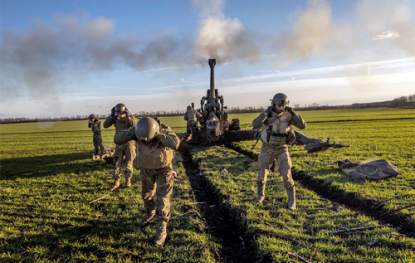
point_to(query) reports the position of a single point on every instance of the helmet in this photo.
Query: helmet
(91, 117)
(280, 99)
(120, 108)
(146, 129)
(189, 108)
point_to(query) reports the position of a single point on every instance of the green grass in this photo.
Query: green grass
(179, 124)
(277, 231)
(40, 171)
(44, 164)
(393, 140)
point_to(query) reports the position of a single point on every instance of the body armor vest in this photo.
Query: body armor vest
(123, 124)
(191, 115)
(154, 155)
(276, 128)
(96, 128)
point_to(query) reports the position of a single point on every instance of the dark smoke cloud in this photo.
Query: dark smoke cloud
(41, 58)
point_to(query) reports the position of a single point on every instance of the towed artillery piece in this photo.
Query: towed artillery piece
(215, 125)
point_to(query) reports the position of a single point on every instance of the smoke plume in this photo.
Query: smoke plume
(41, 59)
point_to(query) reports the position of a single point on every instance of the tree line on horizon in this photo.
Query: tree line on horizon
(400, 102)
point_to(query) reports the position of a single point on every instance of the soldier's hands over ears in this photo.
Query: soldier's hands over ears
(269, 110)
(290, 110)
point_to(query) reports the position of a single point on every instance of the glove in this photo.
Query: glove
(113, 112)
(269, 111)
(290, 110)
(291, 137)
(126, 112)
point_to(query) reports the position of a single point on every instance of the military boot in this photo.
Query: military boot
(261, 192)
(116, 185)
(128, 182)
(292, 205)
(161, 233)
(147, 219)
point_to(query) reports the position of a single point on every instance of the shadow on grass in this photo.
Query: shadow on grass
(68, 240)
(47, 165)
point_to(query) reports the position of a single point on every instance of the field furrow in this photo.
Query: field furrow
(309, 232)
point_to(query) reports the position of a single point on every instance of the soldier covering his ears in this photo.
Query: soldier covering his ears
(95, 126)
(156, 145)
(121, 119)
(276, 134)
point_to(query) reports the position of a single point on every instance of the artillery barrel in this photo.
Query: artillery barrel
(212, 63)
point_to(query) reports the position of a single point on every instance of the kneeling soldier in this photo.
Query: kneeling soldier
(276, 134)
(156, 145)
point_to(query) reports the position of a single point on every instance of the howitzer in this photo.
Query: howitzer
(313, 145)
(214, 123)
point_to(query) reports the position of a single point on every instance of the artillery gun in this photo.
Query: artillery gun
(215, 125)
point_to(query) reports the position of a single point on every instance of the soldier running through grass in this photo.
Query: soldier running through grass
(121, 119)
(276, 134)
(156, 145)
(95, 126)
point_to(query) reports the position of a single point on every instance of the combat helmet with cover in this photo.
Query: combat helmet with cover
(146, 129)
(92, 116)
(280, 99)
(120, 109)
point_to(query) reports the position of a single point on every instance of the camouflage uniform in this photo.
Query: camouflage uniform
(97, 139)
(191, 116)
(155, 160)
(123, 152)
(275, 147)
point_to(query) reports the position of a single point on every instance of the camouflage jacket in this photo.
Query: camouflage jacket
(262, 119)
(96, 126)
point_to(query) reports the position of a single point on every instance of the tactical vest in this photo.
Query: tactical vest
(154, 155)
(276, 128)
(191, 115)
(96, 128)
(123, 124)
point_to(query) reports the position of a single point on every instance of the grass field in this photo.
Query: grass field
(47, 178)
(306, 231)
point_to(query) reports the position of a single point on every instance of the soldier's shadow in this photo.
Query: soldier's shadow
(80, 237)
(47, 165)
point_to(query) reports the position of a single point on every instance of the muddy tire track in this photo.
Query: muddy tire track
(224, 222)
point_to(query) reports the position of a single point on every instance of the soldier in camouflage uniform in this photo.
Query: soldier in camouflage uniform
(95, 126)
(191, 116)
(156, 145)
(121, 119)
(276, 134)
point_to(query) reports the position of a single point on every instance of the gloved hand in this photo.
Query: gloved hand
(269, 111)
(290, 110)
(126, 112)
(113, 112)
(291, 137)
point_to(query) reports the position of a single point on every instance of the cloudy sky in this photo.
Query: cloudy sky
(61, 58)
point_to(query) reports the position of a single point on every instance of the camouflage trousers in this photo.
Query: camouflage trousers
(157, 187)
(126, 152)
(266, 159)
(98, 142)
